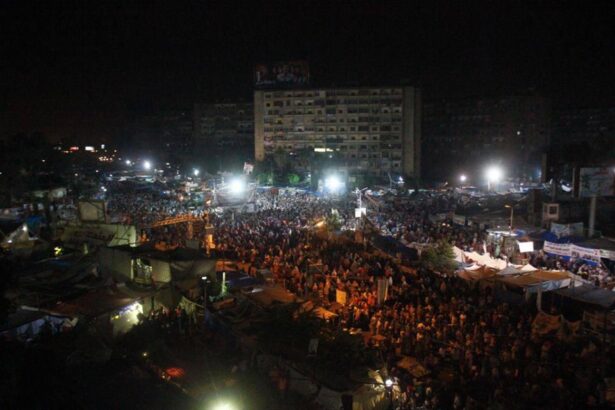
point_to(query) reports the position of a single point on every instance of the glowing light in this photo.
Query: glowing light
(175, 372)
(333, 183)
(494, 174)
(463, 178)
(194, 171)
(147, 165)
(388, 383)
(237, 186)
(223, 406)
(128, 162)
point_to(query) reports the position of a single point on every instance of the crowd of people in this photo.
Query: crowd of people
(473, 348)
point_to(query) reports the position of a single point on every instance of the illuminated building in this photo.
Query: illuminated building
(372, 130)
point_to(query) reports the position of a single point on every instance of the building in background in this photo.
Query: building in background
(223, 126)
(163, 132)
(582, 137)
(465, 136)
(369, 130)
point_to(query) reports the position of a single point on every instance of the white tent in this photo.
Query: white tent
(527, 268)
(510, 270)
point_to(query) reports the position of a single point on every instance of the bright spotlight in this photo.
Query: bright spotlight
(494, 174)
(223, 406)
(128, 162)
(147, 165)
(333, 183)
(463, 178)
(388, 383)
(237, 186)
(196, 172)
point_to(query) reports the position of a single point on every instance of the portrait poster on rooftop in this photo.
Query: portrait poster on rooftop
(283, 73)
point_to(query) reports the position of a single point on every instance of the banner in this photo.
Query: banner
(588, 254)
(564, 230)
(562, 249)
(607, 254)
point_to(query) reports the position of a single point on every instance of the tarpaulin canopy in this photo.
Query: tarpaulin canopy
(533, 281)
(590, 294)
(509, 270)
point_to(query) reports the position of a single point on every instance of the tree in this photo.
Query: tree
(439, 257)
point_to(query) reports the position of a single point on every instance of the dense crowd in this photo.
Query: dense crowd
(472, 348)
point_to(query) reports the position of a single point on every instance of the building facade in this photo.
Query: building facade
(465, 136)
(222, 126)
(372, 130)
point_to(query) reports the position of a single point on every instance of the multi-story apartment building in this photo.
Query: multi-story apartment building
(164, 132)
(574, 125)
(372, 130)
(465, 136)
(223, 125)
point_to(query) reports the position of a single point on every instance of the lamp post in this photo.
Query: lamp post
(512, 213)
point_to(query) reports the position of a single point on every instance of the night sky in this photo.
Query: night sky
(87, 68)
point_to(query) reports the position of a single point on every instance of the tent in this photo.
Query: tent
(539, 280)
(590, 294)
(509, 270)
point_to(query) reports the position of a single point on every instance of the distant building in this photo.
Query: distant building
(574, 125)
(164, 132)
(369, 130)
(464, 136)
(223, 126)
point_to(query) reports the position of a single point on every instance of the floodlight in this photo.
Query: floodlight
(147, 165)
(388, 383)
(223, 406)
(463, 178)
(333, 183)
(196, 172)
(237, 186)
(494, 174)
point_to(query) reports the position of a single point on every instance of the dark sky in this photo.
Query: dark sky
(87, 68)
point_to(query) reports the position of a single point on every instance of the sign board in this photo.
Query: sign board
(340, 297)
(282, 74)
(526, 247)
(596, 181)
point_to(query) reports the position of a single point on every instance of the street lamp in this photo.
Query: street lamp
(196, 172)
(463, 178)
(512, 212)
(494, 175)
(147, 165)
